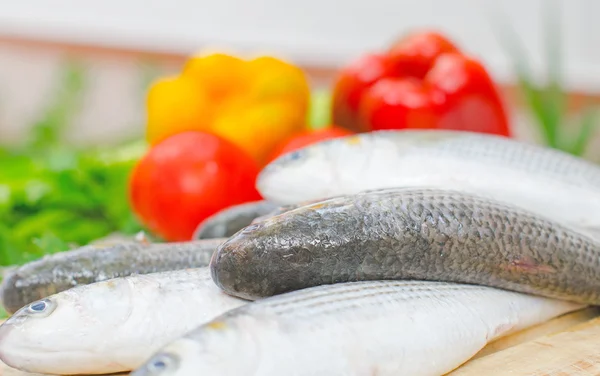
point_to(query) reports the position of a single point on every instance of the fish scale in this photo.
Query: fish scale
(519, 155)
(349, 296)
(468, 145)
(382, 328)
(410, 233)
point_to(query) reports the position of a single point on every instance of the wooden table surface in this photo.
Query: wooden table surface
(566, 346)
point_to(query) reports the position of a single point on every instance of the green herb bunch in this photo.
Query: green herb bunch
(54, 197)
(547, 102)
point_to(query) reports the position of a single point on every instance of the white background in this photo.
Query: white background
(313, 31)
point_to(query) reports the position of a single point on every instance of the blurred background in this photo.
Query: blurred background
(123, 45)
(75, 77)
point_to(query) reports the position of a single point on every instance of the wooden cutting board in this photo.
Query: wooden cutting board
(566, 346)
(573, 350)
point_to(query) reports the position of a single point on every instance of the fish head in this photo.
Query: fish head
(219, 347)
(284, 180)
(64, 326)
(334, 167)
(277, 247)
(316, 171)
(233, 264)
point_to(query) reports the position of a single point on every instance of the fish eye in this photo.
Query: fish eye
(292, 156)
(39, 306)
(160, 362)
(295, 155)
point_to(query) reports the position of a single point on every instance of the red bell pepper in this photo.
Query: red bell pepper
(422, 81)
(350, 86)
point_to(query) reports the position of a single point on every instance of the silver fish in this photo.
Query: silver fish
(110, 326)
(354, 329)
(547, 181)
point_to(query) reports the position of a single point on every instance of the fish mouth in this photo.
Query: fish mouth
(5, 331)
(24, 353)
(227, 266)
(13, 351)
(48, 361)
(220, 269)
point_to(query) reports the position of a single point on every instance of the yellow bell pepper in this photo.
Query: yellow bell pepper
(260, 127)
(219, 75)
(275, 79)
(255, 103)
(174, 105)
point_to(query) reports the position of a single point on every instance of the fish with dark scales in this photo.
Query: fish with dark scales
(94, 263)
(410, 233)
(280, 210)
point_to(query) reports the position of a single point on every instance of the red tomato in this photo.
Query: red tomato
(306, 138)
(188, 177)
